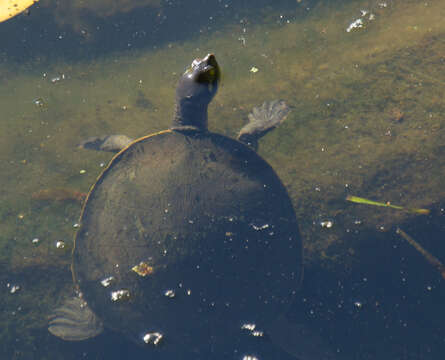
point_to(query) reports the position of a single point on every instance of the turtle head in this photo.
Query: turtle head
(196, 88)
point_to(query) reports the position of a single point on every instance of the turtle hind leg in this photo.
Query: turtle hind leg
(262, 120)
(111, 143)
(74, 321)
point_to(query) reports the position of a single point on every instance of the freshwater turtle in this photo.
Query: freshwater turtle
(187, 237)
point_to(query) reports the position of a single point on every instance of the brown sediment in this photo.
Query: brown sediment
(59, 194)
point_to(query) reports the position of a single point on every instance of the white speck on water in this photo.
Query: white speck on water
(326, 224)
(261, 227)
(58, 78)
(170, 293)
(248, 326)
(153, 338)
(13, 288)
(356, 24)
(35, 240)
(76, 225)
(120, 295)
(358, 304)
(250, 357)
(60, 244)
(107, 281)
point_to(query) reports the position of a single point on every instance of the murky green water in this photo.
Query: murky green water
(367, 120)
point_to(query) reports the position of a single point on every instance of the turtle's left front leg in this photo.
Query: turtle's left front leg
(111, 143)
(262, 120)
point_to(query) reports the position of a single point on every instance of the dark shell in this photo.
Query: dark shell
(197, 233)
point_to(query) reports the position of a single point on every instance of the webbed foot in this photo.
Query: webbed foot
(111, 143)
(262, 120)
(74, 321)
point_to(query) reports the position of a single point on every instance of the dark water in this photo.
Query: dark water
(367, 120)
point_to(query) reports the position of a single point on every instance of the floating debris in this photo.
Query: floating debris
(39, 102)
(428, 256)
(13, 288)
(248, 326)
(326, 224)
(120, 295)
(251, 328)
(143, 269)
(58, 78)
(153, 338)
(107, 281)
(357, 24)
(170, 293)
(360, 200)
(254, 69)
(35, 241)
(362, 21)
(260, 227)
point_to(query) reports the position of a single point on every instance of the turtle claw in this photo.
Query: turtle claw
(263, 119)
(111, 143)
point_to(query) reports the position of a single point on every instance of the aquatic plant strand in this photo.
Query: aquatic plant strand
(360, 200)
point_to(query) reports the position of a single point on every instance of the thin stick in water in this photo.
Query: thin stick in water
(427, 255)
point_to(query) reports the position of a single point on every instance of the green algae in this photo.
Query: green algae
(343, 88)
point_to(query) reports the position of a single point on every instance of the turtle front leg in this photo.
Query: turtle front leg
(111, 143)
(262, 120)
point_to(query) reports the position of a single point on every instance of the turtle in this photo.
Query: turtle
(188, 237)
